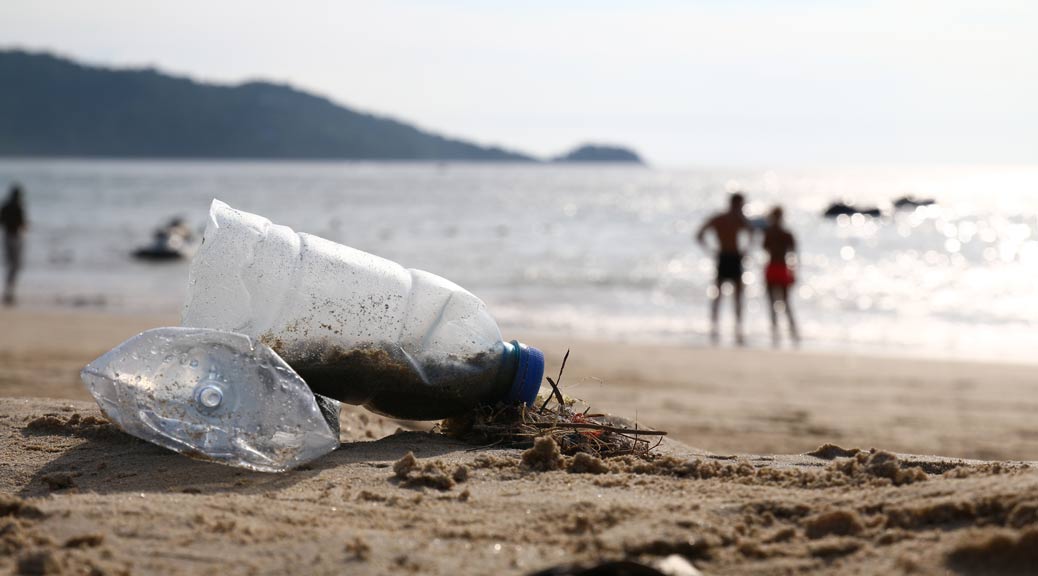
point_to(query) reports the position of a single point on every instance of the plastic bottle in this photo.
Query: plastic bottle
(358, 328)
(213, 395)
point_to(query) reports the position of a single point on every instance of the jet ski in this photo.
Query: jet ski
(173, 241)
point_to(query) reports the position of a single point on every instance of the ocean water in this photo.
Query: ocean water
(592, 251)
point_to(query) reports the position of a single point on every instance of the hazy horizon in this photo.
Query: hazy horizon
(705, 83)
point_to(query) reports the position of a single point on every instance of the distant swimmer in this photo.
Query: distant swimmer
(726, 227)
(780, 244)
(14, 224)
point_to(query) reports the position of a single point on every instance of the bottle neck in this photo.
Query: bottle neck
(507, 373)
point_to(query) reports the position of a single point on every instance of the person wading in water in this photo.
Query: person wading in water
(726, 227)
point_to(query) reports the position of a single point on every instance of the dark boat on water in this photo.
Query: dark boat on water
(170, 242)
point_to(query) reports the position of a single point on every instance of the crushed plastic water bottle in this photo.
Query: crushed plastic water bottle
(213, 395)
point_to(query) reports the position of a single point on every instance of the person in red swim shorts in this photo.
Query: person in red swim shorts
(780, 244)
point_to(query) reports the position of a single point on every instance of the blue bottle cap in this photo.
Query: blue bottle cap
(528, 374)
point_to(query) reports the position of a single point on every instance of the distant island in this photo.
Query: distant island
(600, 153)
(53, 106)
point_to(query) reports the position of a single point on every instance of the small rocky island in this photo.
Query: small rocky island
(600, 153)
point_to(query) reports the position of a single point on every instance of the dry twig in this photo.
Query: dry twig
(518, 425)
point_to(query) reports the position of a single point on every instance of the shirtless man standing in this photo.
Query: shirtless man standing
(726, 227)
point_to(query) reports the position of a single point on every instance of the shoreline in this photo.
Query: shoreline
(692, 341)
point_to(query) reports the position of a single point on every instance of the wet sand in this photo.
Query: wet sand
(76, 494)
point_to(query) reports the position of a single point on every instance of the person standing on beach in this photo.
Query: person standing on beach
(726, 227)
(14, 224)
(780, 244)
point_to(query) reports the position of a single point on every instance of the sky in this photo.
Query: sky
(710, 82)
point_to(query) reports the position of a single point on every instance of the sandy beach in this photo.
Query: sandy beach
(732, 490)
(652, 194)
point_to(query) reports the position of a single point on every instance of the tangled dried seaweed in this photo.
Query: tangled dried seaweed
(572, 430)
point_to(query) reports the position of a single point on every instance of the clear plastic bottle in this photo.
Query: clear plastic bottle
(358, 328)
(213, 395)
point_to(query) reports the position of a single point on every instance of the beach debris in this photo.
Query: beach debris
(215, 396)
(274, 320)
(553, 430)
(361, 329)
